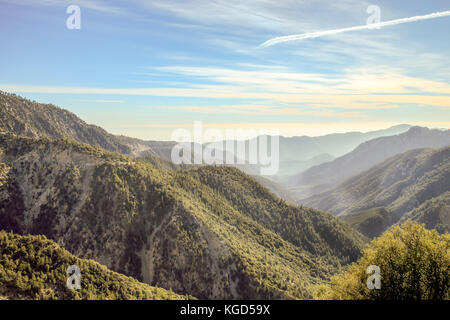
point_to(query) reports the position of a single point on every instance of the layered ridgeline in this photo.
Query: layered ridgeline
(301, 153)
(414, 185)
(211, 232)
(328, 175)
(33, 267)
(33, 119)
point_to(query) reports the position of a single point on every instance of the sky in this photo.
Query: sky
(146, 68)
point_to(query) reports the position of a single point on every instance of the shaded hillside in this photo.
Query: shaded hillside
(33, 267)
(414, 184)
(370, 222)
(32, 119)
(211, 232)
(328, 175)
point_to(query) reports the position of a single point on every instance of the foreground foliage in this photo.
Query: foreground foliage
(414, 264)
(33, 267)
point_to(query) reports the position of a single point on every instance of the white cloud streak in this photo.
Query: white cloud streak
(318, 34)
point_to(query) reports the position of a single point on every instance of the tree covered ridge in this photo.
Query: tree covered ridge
(179, 229)
(33, 267)
(33, 119)
(314, 230)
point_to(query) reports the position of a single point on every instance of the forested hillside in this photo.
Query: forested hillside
(33, 119)
(211, 232)
(33, 267)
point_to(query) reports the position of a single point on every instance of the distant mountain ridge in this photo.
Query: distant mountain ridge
(336, 144)
(33, 119)
(328, 175)
(297, 154)
(291, 167)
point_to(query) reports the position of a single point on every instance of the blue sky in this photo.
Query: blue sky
(145, 68)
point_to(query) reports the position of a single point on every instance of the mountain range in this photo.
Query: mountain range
(392, 190)
(297, 154)
(33, 119)
(209, 232)
(326, 176)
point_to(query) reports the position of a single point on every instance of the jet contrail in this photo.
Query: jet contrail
(294, 37)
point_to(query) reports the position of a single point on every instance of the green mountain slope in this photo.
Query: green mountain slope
(371, 222)
(32, 119)
(414, 184)
(33, 267)
(211, 232)
(434, 213)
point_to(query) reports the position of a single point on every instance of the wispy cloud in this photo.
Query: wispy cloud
(318, 34)
(347, 100)
(373, 88)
